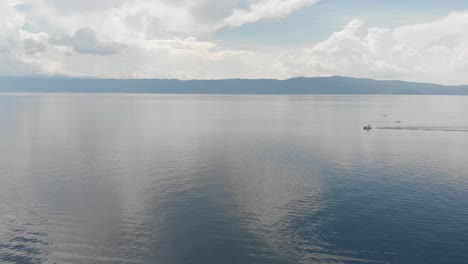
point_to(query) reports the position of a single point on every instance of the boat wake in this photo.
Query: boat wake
(427, 128)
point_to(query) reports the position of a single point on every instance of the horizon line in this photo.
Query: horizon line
(46, 76)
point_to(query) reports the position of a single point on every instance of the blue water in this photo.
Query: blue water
(233, 179)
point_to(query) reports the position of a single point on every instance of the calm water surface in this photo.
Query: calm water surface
(233, 179)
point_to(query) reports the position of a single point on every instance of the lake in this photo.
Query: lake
(94, 178)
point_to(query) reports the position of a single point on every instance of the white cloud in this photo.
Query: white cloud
(158, 39)
(13, 58)
(431, 52)
(153, 18)
(34, 43)
(85, 41)
(265, 10)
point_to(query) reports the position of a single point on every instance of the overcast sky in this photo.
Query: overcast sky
(417, 40)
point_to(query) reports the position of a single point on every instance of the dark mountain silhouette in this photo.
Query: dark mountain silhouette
(316, 85)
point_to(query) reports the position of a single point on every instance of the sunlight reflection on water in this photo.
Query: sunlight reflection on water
(232, 179)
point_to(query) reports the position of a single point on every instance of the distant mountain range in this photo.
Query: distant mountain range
(316, 85)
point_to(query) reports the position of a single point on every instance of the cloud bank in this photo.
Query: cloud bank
(175, 39)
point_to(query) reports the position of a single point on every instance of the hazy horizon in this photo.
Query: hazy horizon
(26, 76)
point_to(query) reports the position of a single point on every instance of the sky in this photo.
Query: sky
(424, 41)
